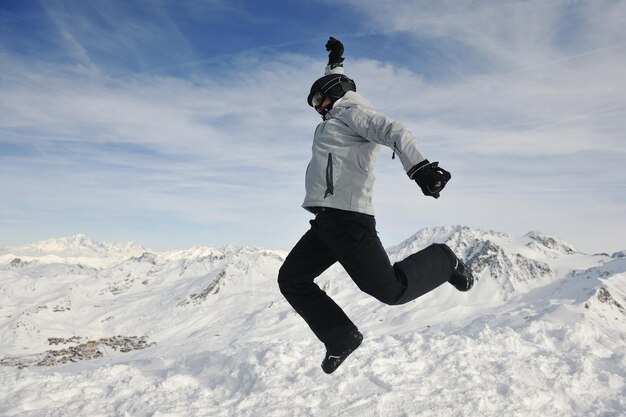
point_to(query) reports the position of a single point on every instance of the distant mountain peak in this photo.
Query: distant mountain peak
(62, 244)
(77, 246)
(547, 243)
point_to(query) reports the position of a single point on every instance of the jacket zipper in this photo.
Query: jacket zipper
(330, 188)
(395, 149)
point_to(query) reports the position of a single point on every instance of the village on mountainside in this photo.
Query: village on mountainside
(83, 350)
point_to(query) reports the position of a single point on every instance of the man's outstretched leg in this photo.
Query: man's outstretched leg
(429, 268)
(306, 261)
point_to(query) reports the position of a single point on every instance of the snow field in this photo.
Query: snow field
(541, 369)
(541, 334)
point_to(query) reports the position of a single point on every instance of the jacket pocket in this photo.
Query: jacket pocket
(330, 186)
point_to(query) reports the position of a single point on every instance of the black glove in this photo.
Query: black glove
(430, 177)
(335, 47)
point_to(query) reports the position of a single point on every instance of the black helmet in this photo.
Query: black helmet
(332, 86)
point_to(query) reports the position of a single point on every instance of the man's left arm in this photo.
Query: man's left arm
(379, 128)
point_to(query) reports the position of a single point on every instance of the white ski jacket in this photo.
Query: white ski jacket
(345, 148)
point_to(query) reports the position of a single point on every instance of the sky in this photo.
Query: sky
(179, 123)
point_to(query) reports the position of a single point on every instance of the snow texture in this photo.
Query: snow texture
(542, 334)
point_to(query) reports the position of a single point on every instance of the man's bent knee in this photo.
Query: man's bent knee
(283, 280)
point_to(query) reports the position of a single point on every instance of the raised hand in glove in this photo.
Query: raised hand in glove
(430, 177)
(335, 49)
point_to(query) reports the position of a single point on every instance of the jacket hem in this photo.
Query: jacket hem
(309, 206)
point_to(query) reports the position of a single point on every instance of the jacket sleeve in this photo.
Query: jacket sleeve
(378, 128)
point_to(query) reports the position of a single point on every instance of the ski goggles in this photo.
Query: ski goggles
(317, 99)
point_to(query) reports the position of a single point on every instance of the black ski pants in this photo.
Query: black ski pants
(350, 238)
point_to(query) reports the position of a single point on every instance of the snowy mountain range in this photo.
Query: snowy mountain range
(205, 332)
(75, 249)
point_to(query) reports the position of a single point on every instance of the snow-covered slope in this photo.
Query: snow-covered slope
(205, 332)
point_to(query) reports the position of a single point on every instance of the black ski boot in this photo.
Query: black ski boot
(462, 277)
(336, 354)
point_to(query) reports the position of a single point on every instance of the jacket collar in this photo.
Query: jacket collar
(350, 99)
